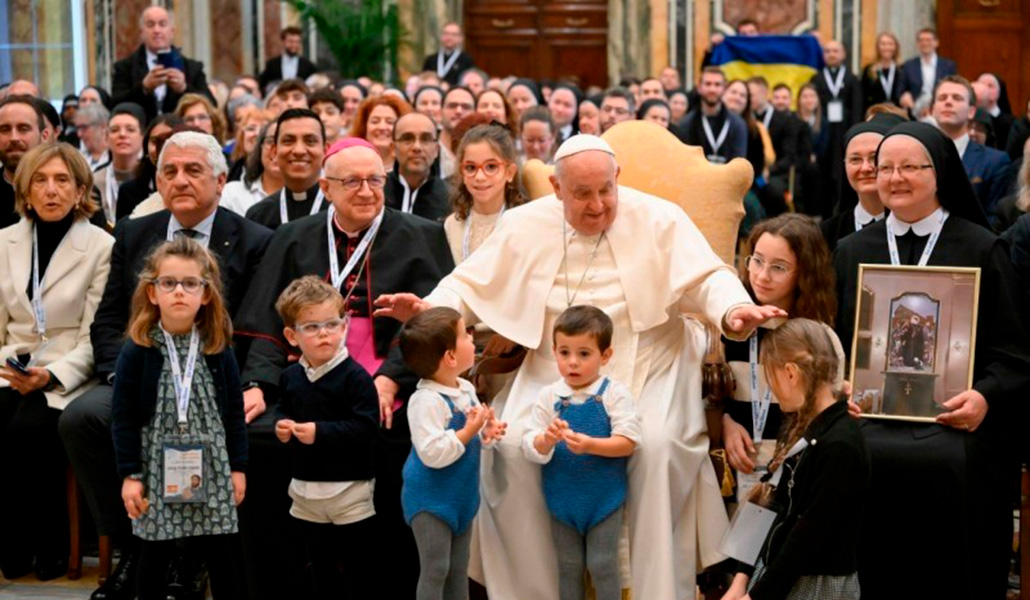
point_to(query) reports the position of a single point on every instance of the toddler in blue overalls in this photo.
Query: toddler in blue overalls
(582, 430)
(448, 427)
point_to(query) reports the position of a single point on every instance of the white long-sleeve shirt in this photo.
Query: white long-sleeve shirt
(428, 417)
(617, 400)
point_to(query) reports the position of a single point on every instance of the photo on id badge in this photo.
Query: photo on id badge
(184, 481)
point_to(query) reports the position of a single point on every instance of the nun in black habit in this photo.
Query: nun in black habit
(938, 522)
(856, 210)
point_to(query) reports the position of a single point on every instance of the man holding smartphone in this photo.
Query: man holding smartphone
(156, 75)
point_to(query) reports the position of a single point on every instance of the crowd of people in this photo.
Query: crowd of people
(342, 253)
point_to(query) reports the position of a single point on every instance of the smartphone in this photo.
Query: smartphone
(16, 365)
(172, 59)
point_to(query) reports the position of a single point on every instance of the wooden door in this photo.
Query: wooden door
(540, 39)
(989, 35)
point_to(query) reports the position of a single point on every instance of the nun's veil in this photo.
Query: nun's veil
(880, 124)
(954, 191)
(530, 85)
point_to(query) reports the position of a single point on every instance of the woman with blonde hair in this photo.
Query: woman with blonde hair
(197, 111)
(881, 79)
(56, 266)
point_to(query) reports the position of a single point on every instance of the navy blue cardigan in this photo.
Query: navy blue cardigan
(135, 399)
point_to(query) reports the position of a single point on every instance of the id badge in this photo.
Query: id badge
(835, 111)
(715, 159)
(183, 481)
(747, 481)
(747, 532)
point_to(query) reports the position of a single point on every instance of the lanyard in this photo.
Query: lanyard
(442, 67)
(284, 218)
(834, 86)
(767, 118)
(408, 201)
(888, 83)
(759, 408)
(183, 381)
(892, 242)
(37, 287)
(111, 201)
(338, 276)
(466, 237)
(796, 448)
(716, 143)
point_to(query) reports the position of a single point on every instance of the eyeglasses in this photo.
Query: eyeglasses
(190, 285)
(904, 170)
(777, 271)
(490, 168)
(408, 139)
(194, 119)
(857, 161)
(609, 109)
(314, 327)
(374, 182)
(457, 105)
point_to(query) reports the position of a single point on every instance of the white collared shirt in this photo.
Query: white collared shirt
(203, 228)
(316, 373)
(161, 90)
(290, 64)
(617, 400)
(428, 417)
(929, 69)
(961, 144)
(863, 218)
(923, 227)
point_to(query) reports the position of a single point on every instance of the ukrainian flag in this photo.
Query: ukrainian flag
(789, 59)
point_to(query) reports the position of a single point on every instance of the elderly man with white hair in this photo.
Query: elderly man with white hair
(364, 249)
(191, 172)
(642, 261)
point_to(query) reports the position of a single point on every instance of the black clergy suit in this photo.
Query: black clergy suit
(831, 162)
(127, 84)
(461, 64)
(267, 213)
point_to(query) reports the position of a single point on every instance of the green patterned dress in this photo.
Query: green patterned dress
(217, 515)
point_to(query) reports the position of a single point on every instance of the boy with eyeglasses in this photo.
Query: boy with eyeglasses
(327, 412)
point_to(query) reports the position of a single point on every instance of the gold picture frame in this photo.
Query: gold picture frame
(914, 343)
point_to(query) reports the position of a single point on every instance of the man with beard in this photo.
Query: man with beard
(412, 187)
(720, 132)
(458, 103)
(290, 64)
(21, 129)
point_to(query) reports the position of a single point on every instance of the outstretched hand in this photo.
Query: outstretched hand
(746, 318)
(399, 306)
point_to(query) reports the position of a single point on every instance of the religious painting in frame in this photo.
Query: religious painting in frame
(915, 339)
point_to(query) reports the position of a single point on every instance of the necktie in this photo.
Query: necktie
(190, 233)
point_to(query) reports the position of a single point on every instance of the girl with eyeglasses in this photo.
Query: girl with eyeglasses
(177, 413)
(788, 265)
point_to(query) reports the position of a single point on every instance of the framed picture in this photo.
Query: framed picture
(915, 339)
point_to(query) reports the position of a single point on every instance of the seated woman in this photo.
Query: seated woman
(125, 141)
(261, 178)
(249, 120)
(56, 265)
(788, 266)
(374, 123)
(538, 134)
(143, 184)
(197, 111)
(496, 106)
(944, 489)
(353, 94)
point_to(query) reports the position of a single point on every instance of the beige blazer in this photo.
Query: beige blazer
(72, 286)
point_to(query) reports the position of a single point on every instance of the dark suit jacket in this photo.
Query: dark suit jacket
(274, 70)
(433, 201)
(850, 95)
(912, 74)
(987, 169)
(872, 89)
(239, 245)
(127, 83)
(784, 139)
(464, 62)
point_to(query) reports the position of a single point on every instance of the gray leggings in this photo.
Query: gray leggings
(444, 559)
(597, 552)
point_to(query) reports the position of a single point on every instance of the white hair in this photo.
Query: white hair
(201, 141)
(95, 114)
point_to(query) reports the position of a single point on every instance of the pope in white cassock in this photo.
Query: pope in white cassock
(642, 261)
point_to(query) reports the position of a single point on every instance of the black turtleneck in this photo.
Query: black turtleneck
(50, 235)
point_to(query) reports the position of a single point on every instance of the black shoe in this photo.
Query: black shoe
(121, 585)
(51, 569)
(187, 579)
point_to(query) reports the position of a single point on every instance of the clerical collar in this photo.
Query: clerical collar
(305, 195)
(863, 217)
(961, 144)
(923, 227)
(354, 234)
(315, 373)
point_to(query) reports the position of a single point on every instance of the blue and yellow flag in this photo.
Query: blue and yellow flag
(789, 59)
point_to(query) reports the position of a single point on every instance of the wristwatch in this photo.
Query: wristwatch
(250, 385)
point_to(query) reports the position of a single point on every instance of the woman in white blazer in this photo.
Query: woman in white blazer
(56, 265)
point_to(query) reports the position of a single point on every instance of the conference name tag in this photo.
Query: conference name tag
(835, 111)
(747, 532)
(183, 481)
(715, 159)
